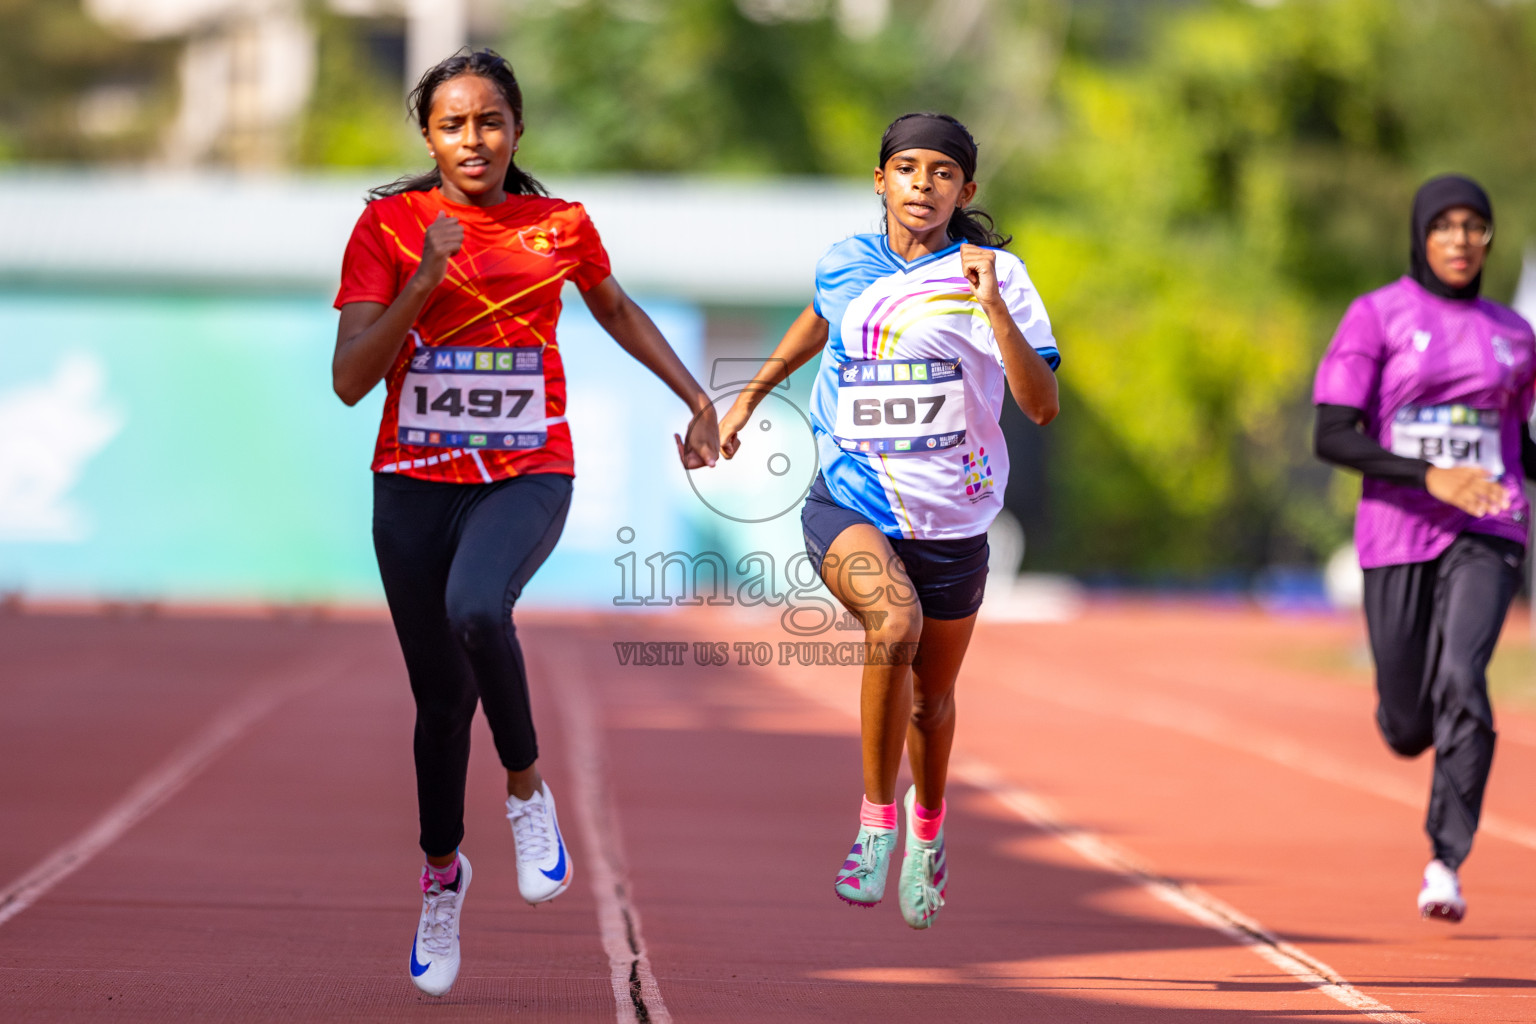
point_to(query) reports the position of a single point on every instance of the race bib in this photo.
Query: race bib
(474, 398)
(1449, 435)
(898, 407)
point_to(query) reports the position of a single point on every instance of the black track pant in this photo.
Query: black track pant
(1433, 626)
(454, 558)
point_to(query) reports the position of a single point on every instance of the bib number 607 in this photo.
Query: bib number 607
(869, 412)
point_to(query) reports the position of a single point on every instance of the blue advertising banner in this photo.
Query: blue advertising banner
(189, 447)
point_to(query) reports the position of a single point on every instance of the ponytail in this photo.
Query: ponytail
(491, 66)
(978, 228)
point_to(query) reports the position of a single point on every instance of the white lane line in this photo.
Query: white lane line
(636, 996)
(1187, 899)
(1512, 726)
(1195, 720)
(155, 788)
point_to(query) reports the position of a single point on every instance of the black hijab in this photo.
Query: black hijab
(1434, 197)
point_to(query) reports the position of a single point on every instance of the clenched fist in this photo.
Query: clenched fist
(445, 237)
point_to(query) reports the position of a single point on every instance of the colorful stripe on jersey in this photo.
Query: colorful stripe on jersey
(889, 320)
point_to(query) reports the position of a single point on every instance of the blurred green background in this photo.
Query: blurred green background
(1198, 187)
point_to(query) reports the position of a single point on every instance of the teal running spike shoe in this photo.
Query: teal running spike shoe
(924, 876)
(861, 881)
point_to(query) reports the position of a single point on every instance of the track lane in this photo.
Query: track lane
(1332, 861)
(93, 702)
(732, 788)
(280, 883)
(1032, 933)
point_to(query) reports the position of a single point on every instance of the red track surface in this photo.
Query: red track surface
(279, 882)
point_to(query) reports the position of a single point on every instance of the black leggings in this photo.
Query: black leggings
(454, 558)
(1433, 626)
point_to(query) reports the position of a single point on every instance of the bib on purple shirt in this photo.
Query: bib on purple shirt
(1402, 350)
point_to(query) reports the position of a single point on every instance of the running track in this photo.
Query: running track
(223, 810)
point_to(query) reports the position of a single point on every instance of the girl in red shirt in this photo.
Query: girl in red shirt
(450, 294)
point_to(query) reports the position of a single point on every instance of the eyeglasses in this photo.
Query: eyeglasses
(1476, 231)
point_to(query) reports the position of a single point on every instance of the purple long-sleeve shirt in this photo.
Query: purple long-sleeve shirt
(1446, 380)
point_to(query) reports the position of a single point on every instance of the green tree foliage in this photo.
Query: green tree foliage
(694, 85)
(1212, 201)
(71, 90)
(356, 116)
(1198, 187)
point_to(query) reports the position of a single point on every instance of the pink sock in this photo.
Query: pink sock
(877, 815)
(925, 824)
(442, 876)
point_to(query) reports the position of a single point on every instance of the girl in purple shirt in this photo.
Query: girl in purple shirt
(1426, 389)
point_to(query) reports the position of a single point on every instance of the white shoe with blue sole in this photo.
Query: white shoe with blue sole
(435, 953)
(543, 862)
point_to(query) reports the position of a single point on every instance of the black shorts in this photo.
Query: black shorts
(949, 576)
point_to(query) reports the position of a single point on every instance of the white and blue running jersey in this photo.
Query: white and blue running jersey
(906, 403)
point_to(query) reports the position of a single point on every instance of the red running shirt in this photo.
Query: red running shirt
(477, 393)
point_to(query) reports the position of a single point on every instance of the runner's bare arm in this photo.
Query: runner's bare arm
(369, 334)
(636, 334)
(1029, 376)
(1469, 488)
(805, 337)
(1338, 440)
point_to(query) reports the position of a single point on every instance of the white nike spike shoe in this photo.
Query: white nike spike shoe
(435, 953)
(543, 863)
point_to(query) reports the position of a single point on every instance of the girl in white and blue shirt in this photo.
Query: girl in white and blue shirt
(919, 328)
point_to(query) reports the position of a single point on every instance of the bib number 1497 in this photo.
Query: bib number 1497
(474, 398)
(485, 403)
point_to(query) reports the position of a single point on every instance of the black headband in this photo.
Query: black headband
(928, 131)
(1435, 197)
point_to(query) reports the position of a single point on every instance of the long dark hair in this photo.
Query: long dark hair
(972, 224)
(491, 66)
